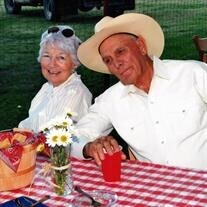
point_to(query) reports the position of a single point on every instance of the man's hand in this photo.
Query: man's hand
(100, 146)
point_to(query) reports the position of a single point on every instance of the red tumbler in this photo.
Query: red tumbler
(111, 167)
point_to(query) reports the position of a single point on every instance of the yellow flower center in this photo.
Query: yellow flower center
(55, 138)
(65, 123)
(63, 138)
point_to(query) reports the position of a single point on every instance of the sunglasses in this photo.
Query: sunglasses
(65, 32)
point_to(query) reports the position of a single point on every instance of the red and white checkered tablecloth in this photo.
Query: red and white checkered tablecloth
(142, 184)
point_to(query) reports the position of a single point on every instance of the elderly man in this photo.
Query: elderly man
(158, 107)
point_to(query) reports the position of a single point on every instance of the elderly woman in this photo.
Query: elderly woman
(64, 91)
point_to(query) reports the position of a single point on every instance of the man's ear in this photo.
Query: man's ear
(141, 45)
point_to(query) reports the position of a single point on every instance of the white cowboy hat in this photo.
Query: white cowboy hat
(134, 23)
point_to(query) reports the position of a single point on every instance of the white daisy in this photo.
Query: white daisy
(60, 131)
(44, 127)
(52, 137)
(64, 137)
(67, 122)
(50, 124)
(58, 121)
(70, 113)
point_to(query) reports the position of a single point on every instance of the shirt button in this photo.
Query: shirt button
(162, 142)
(157, 122)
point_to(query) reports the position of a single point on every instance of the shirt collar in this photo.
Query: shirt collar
(160, 71)
(131, 89)
(53, 89)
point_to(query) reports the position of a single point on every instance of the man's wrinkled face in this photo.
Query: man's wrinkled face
(123, 56)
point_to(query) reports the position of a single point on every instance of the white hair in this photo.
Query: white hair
(57, 39)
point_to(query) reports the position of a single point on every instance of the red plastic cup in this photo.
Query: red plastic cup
(111, 167)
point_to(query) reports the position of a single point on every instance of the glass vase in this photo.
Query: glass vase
(61, 169)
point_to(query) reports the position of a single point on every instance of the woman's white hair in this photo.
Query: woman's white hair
(58, 40)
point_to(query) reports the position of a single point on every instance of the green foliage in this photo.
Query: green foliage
(20, 76)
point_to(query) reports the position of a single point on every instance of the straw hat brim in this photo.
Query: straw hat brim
(134, 23)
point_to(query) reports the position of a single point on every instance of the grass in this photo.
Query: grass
(20, 76)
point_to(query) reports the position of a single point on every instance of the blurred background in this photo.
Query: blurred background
(20, 76)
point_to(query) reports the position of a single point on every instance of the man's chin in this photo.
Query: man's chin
(125, 82)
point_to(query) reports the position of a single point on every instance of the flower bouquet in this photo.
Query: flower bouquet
(60, 135)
